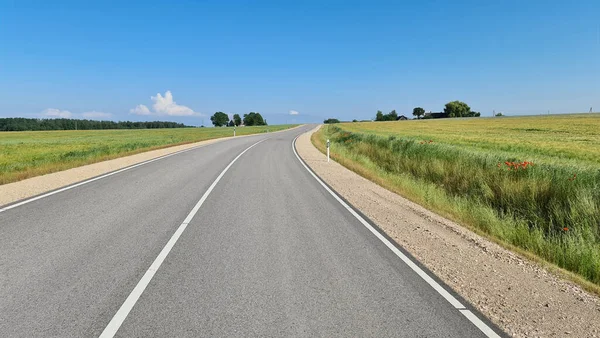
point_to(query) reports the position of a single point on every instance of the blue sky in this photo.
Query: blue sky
(343, 59)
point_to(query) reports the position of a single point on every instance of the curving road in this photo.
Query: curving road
(236, 238)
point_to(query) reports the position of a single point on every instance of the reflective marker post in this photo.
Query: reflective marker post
(234, 131)
(327, 150)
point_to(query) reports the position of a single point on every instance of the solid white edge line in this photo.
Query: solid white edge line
(111, 173)
(435, 285)
(97, 178)
(115, 323)
(481, 325)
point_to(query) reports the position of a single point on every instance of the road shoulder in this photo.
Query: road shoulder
(519, 296)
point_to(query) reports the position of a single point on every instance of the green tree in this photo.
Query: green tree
(457, 109)
(259, 121)
(231, 124)
(329, 121)
(219, 119)
(249, 119)
(392, 116)
(237, 119)
(254, 119)
(379, 116)
(418, 112)
(22, 124)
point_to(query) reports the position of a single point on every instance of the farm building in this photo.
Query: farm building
(438, 115)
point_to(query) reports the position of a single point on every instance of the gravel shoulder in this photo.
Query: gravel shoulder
(521, 297)
(13, 192)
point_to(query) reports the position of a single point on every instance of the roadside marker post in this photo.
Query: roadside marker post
(328, 150)
(233, 131)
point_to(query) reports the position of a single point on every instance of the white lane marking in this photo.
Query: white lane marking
(481, 325)
(435, 285)
(101, 177)
(96, 178)
(115, 323)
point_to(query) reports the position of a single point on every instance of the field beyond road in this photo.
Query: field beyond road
(564, 138)
(33, 153)
(529, 182)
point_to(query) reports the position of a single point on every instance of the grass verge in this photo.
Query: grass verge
(536, 210)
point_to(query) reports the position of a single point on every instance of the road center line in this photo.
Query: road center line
(435, 285)
(117, 320)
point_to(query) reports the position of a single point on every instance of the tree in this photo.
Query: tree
(418, 111)
(392, 116)
(254, 119)
(237, 120)
(249, 119)
(219, 119)
(22, 124)
(231, 124)
(329, 121)
(457, 109)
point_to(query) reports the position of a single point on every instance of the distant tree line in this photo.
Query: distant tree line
(220, 119)
(391, 116)
(459, 109)
(26, 124)
(451, 109)
(329, 121)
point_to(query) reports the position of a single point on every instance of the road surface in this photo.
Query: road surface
(236, 238)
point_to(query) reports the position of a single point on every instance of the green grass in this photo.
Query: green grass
(457, 168)
(29, 154)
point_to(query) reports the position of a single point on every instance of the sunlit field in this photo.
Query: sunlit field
(547, 138)
(530, 182)
(28, 154)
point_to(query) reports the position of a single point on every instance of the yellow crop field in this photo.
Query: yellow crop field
(546, 138)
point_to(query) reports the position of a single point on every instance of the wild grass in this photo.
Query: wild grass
(29, 154)
(463, 169)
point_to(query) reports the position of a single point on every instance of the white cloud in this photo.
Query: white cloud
(56, 113)
(293, 112)
(164, 106)
(140, 110)
(96, 115)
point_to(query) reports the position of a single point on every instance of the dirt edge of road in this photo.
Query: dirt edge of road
(520, 296)
(16, 191)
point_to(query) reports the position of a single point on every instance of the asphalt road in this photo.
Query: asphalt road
(269, 252)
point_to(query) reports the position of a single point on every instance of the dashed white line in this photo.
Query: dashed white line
(115, 323)
(435, 285)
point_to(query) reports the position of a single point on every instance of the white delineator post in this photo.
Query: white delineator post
(328, 150)
(234, 131)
